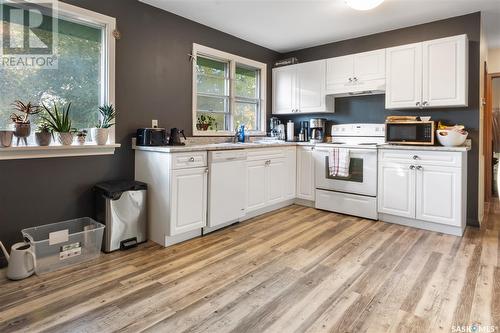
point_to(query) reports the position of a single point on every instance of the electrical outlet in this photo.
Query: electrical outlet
(154, 123)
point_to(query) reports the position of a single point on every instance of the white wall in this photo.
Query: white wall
(494, 60)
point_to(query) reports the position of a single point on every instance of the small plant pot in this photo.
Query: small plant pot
(66, 139)
(81, 140)
(101, 135)
(43, 138)
(6, 138)
(202, 127)
(22, 130)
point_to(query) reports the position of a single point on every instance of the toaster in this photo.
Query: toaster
(151, 137)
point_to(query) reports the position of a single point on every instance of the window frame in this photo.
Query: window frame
(108, 24)
(208, 52)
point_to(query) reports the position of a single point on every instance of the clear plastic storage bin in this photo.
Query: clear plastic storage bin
(61, 244)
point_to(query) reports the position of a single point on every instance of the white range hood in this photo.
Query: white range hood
(372, 87)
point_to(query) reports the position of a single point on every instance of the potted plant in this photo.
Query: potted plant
(81, 136)
(43, 134)
(22, 125)
(101, 131)
(60, 123)
(205, 122)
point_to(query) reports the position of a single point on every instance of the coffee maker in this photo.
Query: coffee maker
(274, 122)
(317, 130)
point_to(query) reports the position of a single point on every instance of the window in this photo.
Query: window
(228, 91)
(84, 75)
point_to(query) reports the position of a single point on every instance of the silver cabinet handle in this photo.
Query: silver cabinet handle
(415, 157)
(355, 79)
(417, 104)
(412, 167)
(206, 170)
(350, 79)
(425, 103)
(420, 167)
(191, 159)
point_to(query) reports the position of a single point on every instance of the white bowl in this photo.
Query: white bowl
(425, 118)
(450, 138)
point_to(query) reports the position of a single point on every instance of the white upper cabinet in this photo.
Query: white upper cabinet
(428, 74)
(311, 87)
(284, 85)
(356, 74)
(404, 77)
(445, 74)
(300, 88)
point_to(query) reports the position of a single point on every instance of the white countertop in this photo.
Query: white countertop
(466, 147)
(219, 146)
(250, 145)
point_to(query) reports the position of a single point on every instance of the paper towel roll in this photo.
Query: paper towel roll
(290, 131)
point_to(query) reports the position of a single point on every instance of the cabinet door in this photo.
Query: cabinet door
(369, 66)
(438, 195)
(311, 86)
(305, 173)
(396, 189)
(284, 89)
(189, 200)
(277, 172)
(256, 184)
(445, 72)
(404, 77)
(338, 72)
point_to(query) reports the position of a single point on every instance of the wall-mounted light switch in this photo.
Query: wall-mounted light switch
(154, 123)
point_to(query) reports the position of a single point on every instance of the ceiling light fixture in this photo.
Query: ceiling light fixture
(363, 4)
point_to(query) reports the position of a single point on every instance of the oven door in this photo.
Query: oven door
(362, 177)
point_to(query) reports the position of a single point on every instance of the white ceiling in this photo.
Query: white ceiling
(286, 25)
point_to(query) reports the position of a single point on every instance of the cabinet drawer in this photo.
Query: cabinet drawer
(265, 154)
(421, 157)
(189, 160)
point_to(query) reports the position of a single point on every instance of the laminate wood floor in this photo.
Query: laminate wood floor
(294, 270)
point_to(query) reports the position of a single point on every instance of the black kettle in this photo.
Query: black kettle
(175, 137)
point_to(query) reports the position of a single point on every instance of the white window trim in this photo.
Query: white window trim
(108, 23)
(233, 59)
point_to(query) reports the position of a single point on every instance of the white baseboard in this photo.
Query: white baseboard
(303, 202)
(437, 227)
(267, 209)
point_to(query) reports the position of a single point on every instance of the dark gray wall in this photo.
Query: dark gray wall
(371, 109)
(153, 81)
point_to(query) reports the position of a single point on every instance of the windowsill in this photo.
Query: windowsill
(29, 152)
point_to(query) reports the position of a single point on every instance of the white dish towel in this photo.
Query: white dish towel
(338, 162)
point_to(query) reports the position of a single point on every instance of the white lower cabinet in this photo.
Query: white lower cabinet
(177, 194)
(189, 200)
(423, 189)
(305, 173)
(270, 177)
(396, 189)
(257, 174)
(438, 196)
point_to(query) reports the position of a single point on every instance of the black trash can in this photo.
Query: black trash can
(121, 207)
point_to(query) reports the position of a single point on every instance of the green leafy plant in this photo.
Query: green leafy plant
(58, 121)
(108, 114)
(27, 110)
(43, 127)
(205, 122)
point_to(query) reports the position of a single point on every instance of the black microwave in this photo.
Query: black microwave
(410, 132)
